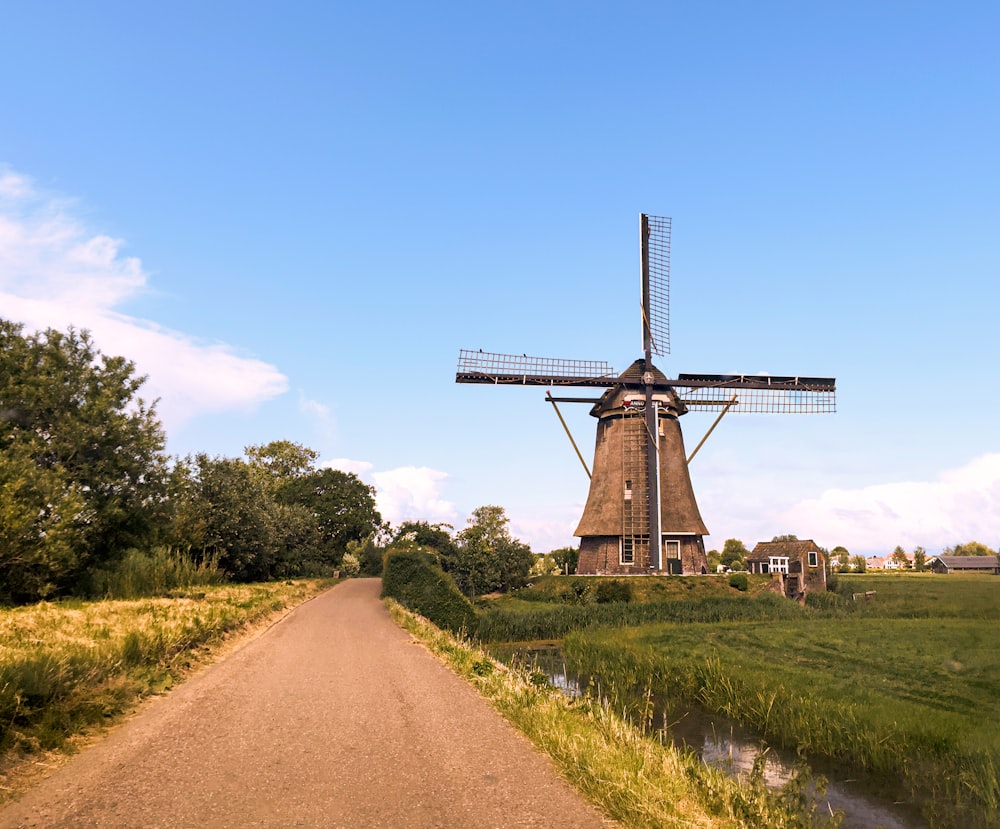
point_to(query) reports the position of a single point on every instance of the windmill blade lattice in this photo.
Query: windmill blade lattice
(656, 295)
(758, 394)
(520, 369)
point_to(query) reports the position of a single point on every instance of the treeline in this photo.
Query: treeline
(85, 483)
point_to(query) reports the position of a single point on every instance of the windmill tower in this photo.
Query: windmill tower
(641, 514)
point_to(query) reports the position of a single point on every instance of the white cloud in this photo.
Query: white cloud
(407, 493)
(359, 468)
(54, 273)
(961, 505)
(413, 493)
(321, 415)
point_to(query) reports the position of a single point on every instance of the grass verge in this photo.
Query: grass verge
(70, 667)
(631, 777)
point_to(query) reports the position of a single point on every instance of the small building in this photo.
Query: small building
(965, 564)
(799, 567)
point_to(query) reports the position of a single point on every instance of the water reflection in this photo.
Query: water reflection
(727, 745)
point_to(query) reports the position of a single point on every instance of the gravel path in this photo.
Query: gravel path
(333, 718)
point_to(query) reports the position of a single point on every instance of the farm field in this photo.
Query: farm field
(906, 685)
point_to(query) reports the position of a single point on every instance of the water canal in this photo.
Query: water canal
(729, 746)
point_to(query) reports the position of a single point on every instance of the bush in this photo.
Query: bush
(613, 591)
(415, 579)
(825, 600)
(738, 581)
(155, 573)
(578, 591)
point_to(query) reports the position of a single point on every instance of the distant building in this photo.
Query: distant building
(964, 564)
(798, 567)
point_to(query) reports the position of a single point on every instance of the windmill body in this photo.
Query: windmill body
(641, 514)
(614, 531)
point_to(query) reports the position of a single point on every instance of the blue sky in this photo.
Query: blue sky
(293, 215)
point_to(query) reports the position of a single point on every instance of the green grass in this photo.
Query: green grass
(915, 699)
(70, 666)
(925, 595)
(637, 780)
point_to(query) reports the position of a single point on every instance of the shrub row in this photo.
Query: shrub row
(414, 578)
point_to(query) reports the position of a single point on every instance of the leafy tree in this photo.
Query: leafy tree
(734, 554)
(488, 557)
(919, 559)
(40, 514)
(786, 537)
(860, 565)
(232, 517)
(566, 559)
(842, 557)
(75, 415)
(342, 506)
(900, 558)
(972, 548)
(282, 460)
(714, 558)
(424, 534)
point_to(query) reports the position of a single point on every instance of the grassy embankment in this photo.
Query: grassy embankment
(636, 780)
(68, 667)
(906, 686)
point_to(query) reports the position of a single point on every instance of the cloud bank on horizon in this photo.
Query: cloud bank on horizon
(961, 505)
(56, 273)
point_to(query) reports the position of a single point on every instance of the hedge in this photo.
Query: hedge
(415, 579)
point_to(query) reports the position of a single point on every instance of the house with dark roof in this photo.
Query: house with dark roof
(965, 564)
(796, 567)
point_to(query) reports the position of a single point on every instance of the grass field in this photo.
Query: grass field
(906, 685)
(71, 666)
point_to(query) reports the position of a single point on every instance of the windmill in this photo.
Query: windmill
(641, 514)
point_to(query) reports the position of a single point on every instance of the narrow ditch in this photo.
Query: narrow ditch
(864, 802)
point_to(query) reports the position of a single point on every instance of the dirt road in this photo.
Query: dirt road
(333, 718)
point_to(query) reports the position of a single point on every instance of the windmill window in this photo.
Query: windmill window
(628, 551)
(813, 559)
(779, 564)
(673, 549)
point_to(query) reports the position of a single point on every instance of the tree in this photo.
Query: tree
(786, 537)
(972, 548)
(282, 460)
(900, 558)
(919, 559)
(566, 559)
(860, 565)
(734, 554)
(842, 557)
(488, 557)
(232, 518)
(436, 536)
(75, 415)
(342, 506)
(40, 514)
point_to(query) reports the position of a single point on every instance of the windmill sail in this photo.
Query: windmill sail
(520, 369)
(655, 252)
(757, 394)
